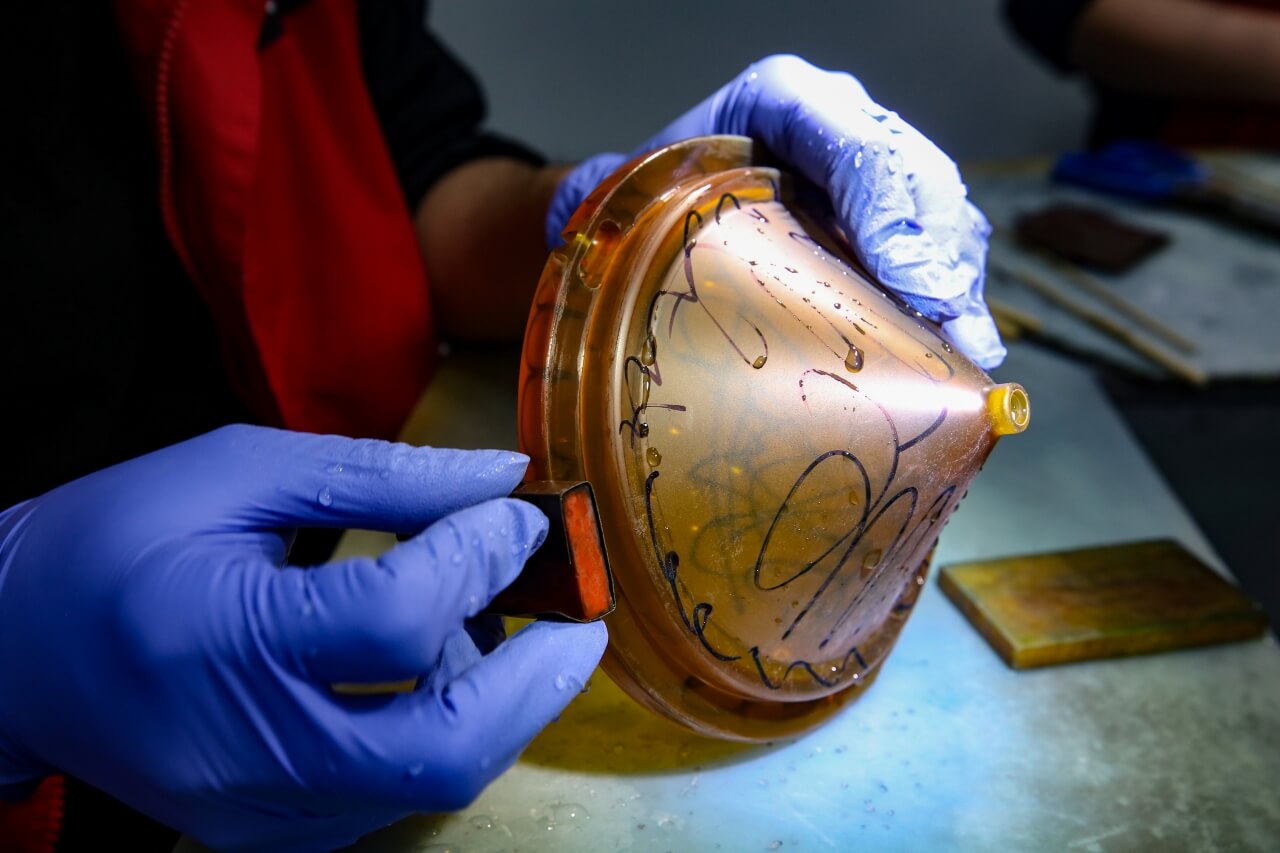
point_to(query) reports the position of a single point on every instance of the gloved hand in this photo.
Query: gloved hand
(898, 197)
(152, 644)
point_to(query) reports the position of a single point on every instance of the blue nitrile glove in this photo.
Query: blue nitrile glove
(898, 197)
(152, 644)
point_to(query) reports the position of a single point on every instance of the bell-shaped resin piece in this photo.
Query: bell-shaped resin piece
(774, 441)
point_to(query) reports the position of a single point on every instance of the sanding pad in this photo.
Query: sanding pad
(1110, 601)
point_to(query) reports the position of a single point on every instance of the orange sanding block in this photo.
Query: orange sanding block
(1111, 601)
(568, 578)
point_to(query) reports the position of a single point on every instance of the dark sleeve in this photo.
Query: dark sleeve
(429, 105)
(1046, 26)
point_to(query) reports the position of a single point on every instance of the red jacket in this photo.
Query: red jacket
(280, 197)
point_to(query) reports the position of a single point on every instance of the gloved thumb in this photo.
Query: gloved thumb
(255, 478)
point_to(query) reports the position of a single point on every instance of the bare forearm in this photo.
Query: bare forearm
(1189, 48)
(480, 229)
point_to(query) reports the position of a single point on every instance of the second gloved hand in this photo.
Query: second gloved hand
(153, 644)
(898, 197)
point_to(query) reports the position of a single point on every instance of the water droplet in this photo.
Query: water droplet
(854, 498)
(759, 362)
(482, 821)
(884, 789)
(653, 457)
(649, 352)
(774, 845)
(416, 769)
(336, 468)
(853, 361)
(562, 681)
(859, 329)
(568, 812)
(946, 346)
(857, 160)
(642, 430)
(457, 558)
(837, 306)
(790, 269)
(870, 561)
(928, 355)
(325, 497)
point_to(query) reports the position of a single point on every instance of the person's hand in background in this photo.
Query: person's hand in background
(898, 197)
(153, 643)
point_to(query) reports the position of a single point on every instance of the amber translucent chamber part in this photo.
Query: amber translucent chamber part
(774, 442)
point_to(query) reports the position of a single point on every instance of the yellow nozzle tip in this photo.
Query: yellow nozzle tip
(1009, 407)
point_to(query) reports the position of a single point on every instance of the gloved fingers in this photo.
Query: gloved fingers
(365, 620)
(270, 546)
(458, 654)
(575, 187)
(453, 741)
(898, 196)
(974, 333)
(268, 479)
(965, 316)
(973, 329)
(902, 200)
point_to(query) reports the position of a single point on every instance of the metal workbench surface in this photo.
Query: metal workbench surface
(948, 748)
